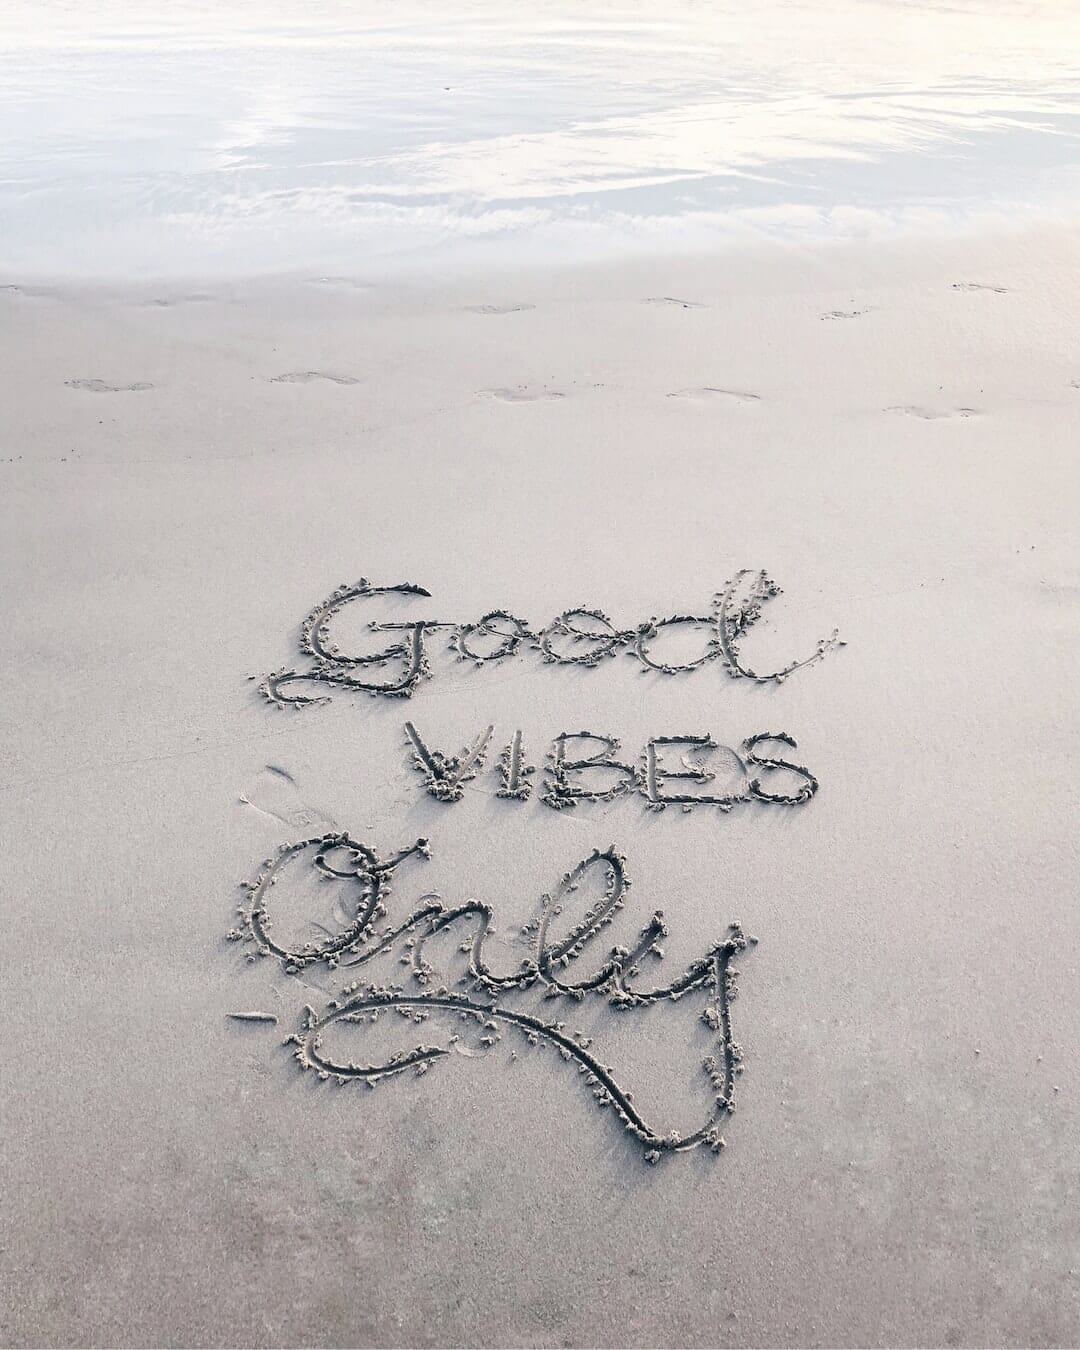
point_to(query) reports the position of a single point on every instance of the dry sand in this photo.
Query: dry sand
(890, 431)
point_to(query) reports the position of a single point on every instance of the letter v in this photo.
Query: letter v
(445, 776)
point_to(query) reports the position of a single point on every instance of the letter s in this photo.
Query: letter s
(809, 785)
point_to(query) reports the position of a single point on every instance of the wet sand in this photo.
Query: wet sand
(888, 431)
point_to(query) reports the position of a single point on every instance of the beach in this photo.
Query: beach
(556, 457)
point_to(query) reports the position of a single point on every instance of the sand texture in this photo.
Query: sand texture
(540, 808)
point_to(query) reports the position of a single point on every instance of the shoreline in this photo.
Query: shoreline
(864, 258)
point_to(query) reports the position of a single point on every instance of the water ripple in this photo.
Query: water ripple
(132, 140)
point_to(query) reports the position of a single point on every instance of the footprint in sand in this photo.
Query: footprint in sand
(273, 792)
(523, 394)
(352, 283)
(499, 309)
(979, 286)
(170, 302)
(934, 414)
(306, 377)
(673, 300)
(100, 386)
(30, 292)
(709, 392)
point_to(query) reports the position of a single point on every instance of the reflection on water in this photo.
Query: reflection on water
(346, 136)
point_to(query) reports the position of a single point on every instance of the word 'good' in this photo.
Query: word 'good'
(582, 766)
(488, 1001)
(579, 637)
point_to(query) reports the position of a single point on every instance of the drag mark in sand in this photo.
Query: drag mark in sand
(543, 973)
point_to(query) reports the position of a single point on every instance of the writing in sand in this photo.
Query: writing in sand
(450, 982)
(580, 636)
(483, 1001)
(583, 766)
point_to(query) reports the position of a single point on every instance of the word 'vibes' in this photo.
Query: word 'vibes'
(581, 636)
(582, 766)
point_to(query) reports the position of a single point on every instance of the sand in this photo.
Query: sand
(888, 430)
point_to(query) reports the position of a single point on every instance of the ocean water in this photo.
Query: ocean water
(139, 140)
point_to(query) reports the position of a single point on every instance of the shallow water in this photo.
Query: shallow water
(352, 137)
